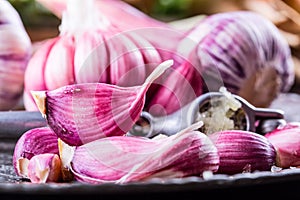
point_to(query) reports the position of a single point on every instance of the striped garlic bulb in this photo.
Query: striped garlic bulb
(230, 48)
(15, 52)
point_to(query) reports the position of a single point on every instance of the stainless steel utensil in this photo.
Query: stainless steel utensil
(149, 126)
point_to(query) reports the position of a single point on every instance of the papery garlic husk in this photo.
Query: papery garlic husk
(81, 113)
(44, 168)
(33, 142)
(89, 49)
(243, 151)
(122, 159)
(15, 51)
(232, 46)
(286, 140)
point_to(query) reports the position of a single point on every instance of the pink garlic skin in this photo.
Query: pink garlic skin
(33, 142)
(15, 51)
(44, 168)
(122, 159)
(243, 151)
(286, 140)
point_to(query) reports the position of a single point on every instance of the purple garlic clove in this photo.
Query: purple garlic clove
(33, 142)
(243, 151)
(122, 159)
(286, 140)
(81, 113)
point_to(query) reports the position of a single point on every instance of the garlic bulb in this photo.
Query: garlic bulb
(230, 47)
(15, 51)
(90, 48)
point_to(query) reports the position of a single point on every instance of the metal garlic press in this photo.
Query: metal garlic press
(254, 119)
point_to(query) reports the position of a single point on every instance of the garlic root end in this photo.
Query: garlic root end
(66, 153)
(40, 100)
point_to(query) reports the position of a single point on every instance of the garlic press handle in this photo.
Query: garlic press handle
(268, 113)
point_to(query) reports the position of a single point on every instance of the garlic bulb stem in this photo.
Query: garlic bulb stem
(81, 16)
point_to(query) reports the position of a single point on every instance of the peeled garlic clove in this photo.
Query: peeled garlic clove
(44, 168)
(243, 151)
(286, 140)
(33, 142)
(122, 159)
(81, 113)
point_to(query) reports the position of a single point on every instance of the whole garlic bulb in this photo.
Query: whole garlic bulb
(15, 52)
(231, 47)
(89, 49)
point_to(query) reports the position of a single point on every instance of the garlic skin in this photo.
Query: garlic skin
(122, 159)
(33, 142)
(286, 140)
(15, 51)
(81, 113)
(243, 151)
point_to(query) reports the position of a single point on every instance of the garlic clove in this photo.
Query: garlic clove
(286, 140)
(81, 113)
(34, 74)
(121, 159)
(243, 151)
(44, 168)
(33, 142)
(60, 62)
